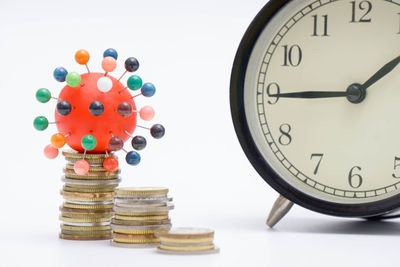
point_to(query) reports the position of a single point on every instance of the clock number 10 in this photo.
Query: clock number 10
(292, 56)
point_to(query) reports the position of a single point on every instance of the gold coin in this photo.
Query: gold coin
(186, 241)
(73, 154)
(185, 233)
(140, 223)
(86, 215)
(84, 220)
(141, 191)
(136, 241)
(141, 218)
(89, 186)
(87, 190)
(85, 228)
(92, 161)
(127, 245)
(143, 232)
(89, 207)
(91, 173)
(72, 175)
(88, 195)
(72, 237)
(134, 237)
(86, 233)
(85, 211)
(187, 248)
(91, 169)
(152, 213)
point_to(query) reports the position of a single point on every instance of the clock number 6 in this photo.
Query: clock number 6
(285, 139)
(355, 180)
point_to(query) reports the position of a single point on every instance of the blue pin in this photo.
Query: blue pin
(60, 73)
(148, 89)
(111, 52)
(133, 158)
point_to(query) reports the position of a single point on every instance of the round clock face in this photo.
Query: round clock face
(320, 97)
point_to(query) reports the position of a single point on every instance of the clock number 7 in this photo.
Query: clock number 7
(319, 162)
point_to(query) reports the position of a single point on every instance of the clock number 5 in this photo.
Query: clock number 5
(365, 6)
(355, 180)
(396, 164)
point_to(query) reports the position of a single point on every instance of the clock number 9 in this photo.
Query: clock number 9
(276, 95)
(355, 180)
(285, 139)
(364, 5)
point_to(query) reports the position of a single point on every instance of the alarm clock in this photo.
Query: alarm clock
(315, 101)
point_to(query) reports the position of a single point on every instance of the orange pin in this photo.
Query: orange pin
(82, 57)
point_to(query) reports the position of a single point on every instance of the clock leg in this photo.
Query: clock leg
(280, 208)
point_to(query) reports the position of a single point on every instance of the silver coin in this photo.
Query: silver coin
(71, 164)
(143, 197)
(90, 182)
(148, 200)
(140, 205)
(188, 252)
(89, 203)
(86, 224)
(173, 244)
(143, 208)
(117, 227)
(127, 245)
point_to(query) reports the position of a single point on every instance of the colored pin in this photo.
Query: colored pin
(81, 167)
(82, 57)
(139, 143)
(148, 90)
(104, 84)
(60, 73)
(73, 79)
(58, 140)
(43, 95)
(131, 65)
(96, 108)
(111, 52)
(134, 83)
(132, 158)
(110, 164)
(89, 142)
(40, 123)
(108, 64)
(50, 152)
(63, 108)
(125, 109)
(157, 131)
(115, 143)
(146, 113)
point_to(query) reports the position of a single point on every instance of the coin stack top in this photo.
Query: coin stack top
(186, 241)
(138, 213)
(88, 199)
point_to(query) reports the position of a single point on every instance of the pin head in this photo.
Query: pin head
(60, 73)
(147, 113)
(81, 167)
(131, 64)
(89, 142)
(63, 108)
(139, 142)
(134, 82)
(58, 140)
(148, 89)
(82, 56)
(115, 143)
(73, 79)
(110, 164)
(109, 64)
(40, 123)
(124, 109)
(133, 158)
(157, 131)
(104, 84)
(96, 108)
(50, 152)
(43, 95)
(111, 52)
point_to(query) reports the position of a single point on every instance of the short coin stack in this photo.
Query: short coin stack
(88, 199)
(186, 241)
(138, 213)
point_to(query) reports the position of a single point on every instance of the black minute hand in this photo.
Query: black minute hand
(382, 72)
(312, 94)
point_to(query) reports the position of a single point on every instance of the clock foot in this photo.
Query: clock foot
(280, 208)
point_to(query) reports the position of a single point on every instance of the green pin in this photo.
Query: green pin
(40, 123)
(89, 142)
(43, 95)
(73, 79)
(135, 82)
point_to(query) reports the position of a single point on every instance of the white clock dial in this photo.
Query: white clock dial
(329, 148)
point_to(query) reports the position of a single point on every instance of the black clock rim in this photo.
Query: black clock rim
(262, 167)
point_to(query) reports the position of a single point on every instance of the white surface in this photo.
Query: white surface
(186, 48)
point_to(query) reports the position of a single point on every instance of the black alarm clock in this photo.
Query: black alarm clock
(315, 101)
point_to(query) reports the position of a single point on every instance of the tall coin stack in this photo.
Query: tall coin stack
(88, 199)
(138, 213)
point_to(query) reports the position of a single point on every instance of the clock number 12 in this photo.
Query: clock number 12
(365, 6)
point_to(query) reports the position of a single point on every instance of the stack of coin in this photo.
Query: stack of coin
(88, 199)
(186, 241)
(138, 213)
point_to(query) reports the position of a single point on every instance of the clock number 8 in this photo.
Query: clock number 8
(355, 180)
(285, 139)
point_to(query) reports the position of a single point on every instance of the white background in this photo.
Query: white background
(186, 48)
